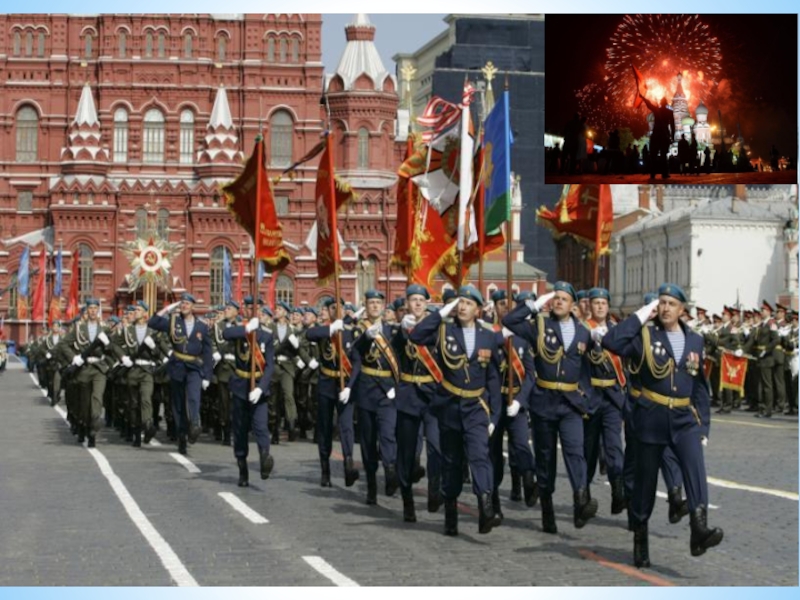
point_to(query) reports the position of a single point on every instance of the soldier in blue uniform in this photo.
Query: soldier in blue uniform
(562, 397)
(375, 394)
(190, 365)
(673, 411)
(329, 397)
(419, 376)
(467, 403)
(249, 407)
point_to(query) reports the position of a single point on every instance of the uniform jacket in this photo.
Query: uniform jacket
(524, 351)
(240, 386)
(198, 346)
(126, 343)
(328, 355)
(286, 354)
(371, 390)
(763, 339)
(225, 367)
(77, 341)
(602, 367)
(412, 398)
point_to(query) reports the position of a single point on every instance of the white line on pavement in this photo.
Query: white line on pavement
(751, 488)
(328, 571)
(664, 495)
(242, 508)
(185, 462)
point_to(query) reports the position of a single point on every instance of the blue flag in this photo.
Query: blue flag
(57, 285)
(261, 271)
(497, 142)
(23, 274)
(226, 277)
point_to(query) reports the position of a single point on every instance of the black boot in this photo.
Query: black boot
(350, 471)
(182, 444)
(585, 507)
(678, 507)
(465, 472)
(292, 431)
(81, 434)
(496, 508)
(531, 488)
(641, 549)
(267, 463)
(486, 515)
(226, 435)
(548, 515)
(372, 488)
(217, 433)
(618, 501)
(127, 432)
(409, 515)
(149, 431)
(702, 537)
(418, 473)
(325, 480)
(450, 517)
(90, 441)
(244, 478)
(137, 438)
(194, 432)
(434, 494)
(516, 486)
(276, 436)
(391, 480)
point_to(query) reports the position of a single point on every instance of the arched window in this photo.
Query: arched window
(162, 45)
(187, 137)
(148, 44)
(280, 136)
(222, 47)
(363, 148)
(295, 50)
(17, 43)
(283, 50)
(122, 37)
(13, 297)
(27, 135)
(40, 49)
(367, 269)
(162, 225)
(153, 138)
(29, 43)
(141, 222)
(187, 45)
(85, 262)
(284, 290)
(120, 136)
(87, 45)
(217, 275)
(271, 49)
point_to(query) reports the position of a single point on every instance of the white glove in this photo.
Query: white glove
(148, 341)
(448, 308)
(704, 440)
(217, 357)
(491, 429)
(643, 314)
(126, 360)
(48, 356)
(313, 364)
(78, 360)
(255, 395)
(169, 308)
(513, 409)
(541, 301)
(390, 394)
(165, 360)
(300, 364)
(507, 333)
(104, 338)
(598, 333)
(337, 325)
(374, 330)
(409, 322)
(252, 325)
(205, 383)
(294, 341)
(738, 353)
(344, 395)
(357, 315)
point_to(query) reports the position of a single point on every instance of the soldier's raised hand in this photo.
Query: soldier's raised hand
(337, 325)
(448, 308)
(252, 325)
(646, 313)
(409, 322)
(374, 330)
(539, 303)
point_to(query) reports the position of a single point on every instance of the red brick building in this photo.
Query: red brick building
(112, 124)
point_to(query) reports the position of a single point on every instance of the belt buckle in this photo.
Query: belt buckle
(671, 403)
(558, 386)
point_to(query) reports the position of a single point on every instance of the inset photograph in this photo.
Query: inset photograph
(685, 99)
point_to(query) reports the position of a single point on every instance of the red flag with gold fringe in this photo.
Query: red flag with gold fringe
(584, 212)
(732, 370)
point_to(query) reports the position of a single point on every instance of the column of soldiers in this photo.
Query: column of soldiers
(542, 372)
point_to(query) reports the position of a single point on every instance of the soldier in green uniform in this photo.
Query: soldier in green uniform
(224, 361)
(731, 339)
(790, 345)
(779, 371)
(52, 365)
(762, 343)
(307, 382)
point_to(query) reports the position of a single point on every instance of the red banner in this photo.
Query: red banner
(37, 313)
(733, 370)
(72, 300)
(584, 212)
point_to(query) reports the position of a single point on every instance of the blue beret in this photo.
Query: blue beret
(248, 301)
(312, 310)
(328, 301)
(418, 289)
(112, 319)
(266, 311)
(349, 306)
(563, 286)
(143, 304)
(374, 294)
(598, 292)
(471, 293)
(581, 294)
(670, 289)
(232, 303)
(285, 306)
(523, 296)
(130, 308)
(187, 297)
(431, 308)
(299, 309)
(92, 302)
(649, 297)
(498, 295)
(448, 295)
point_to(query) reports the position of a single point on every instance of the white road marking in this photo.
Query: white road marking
(748, 424)
(322, 567)
(185, 462)
(751, 488)
(663, 495)
(242, 508)
(176, 569)
(155, 442)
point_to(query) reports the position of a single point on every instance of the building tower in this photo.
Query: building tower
(702, 130)
(680, 108)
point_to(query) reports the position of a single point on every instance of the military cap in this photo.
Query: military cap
(448, 295)
(563, 286)
(349, 306)
(248, 300)
(431, 308)
(523, 296)
(398, 303)
(580, 294)
(312, 310)
(112, 319)
(374, 294)
(598, 292)
(143, 304)
(649, 297)
(498, 295)
(285, 306)
(716, 318)
(299, 309)
(725, 310)
(670, 289)
(793, 314)
(702, 310)
(266, 310)
(764, 304)
(92, 302)
(232, 303)
(328, 301)
(470, 292)
(130, 308)
(734, 310)
(187, 297)
(780, 307)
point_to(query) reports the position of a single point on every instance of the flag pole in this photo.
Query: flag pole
(337, 288)
(480, 216)
(509, 257)
(253, 278)
(597, 241)
(411, 215)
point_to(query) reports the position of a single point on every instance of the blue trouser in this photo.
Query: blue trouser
(246, 416)
(378, 428)
(327, 401)
(670, 468)
(185, 393)
(569, 427)
(608, 421)
(409, 429)
(517, 428)
(471, 439)
(689, 453)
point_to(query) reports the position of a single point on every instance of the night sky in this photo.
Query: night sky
(759, 64)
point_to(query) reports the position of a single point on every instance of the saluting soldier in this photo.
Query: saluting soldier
(224, 359)
(190, 365)
(467, 403)
(673, 411)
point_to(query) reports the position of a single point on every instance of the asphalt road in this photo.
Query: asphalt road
(756, 178)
